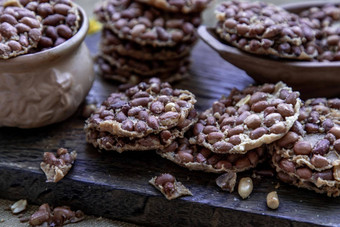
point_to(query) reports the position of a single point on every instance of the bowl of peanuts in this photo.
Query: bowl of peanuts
(303, 50)
(46, 69)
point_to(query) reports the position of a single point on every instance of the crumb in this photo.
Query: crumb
(24, 219)
(227, 181)
(277, 185)
(59, 216)
(255, 176)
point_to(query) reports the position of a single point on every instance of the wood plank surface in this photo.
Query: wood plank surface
(116, 185)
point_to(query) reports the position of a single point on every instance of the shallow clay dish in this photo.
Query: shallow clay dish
(312, 79)
(48, 86)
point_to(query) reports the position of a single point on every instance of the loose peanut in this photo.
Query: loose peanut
(273, 200)
(19, 206)
(245, 187)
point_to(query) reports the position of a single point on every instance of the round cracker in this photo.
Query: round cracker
(107, 141)
(146, 25)
(147, 108)
(229, 127)
(110, 42)
(111, 72)
(317, 165)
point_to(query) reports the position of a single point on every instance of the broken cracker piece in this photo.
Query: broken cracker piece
(169, 186)
(41, 216)
(56, 167)
(227, 181)
(59, 216)
(247, 119)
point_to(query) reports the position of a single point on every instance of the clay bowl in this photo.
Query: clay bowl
(48, 86)
(312, 79)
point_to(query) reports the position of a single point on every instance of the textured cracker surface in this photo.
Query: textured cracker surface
(331, 187)
(189, 6)
(246, 142)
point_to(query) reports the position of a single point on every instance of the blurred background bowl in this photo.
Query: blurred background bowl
(48, 86)
(312, 79)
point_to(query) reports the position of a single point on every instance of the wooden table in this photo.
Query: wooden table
(116, 185)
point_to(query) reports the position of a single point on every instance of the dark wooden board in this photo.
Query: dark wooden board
(116, 185)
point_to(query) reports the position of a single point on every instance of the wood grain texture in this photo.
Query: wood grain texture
(116, 185)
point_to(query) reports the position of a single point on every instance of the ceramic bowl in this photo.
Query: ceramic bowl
(48, 86)
(312, 79)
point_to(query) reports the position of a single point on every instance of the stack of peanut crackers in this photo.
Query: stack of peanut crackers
(302, 139)
(266, 29)
(148, 116)
(231, 136)
(146, 38)
(268, 121)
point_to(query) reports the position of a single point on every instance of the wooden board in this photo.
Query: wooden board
(116, 185)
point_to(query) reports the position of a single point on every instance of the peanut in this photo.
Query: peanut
(273, 200)
(245, 187)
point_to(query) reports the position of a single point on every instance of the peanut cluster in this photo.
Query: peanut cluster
(59, 216)
(266, 29)
(236, 134)
(309, 154)
(146, 116)
(29, 26)
(20, 31)
(60, 20)
(246, 119)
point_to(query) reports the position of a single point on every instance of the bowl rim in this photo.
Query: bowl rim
(67, 46)
(208, 34)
